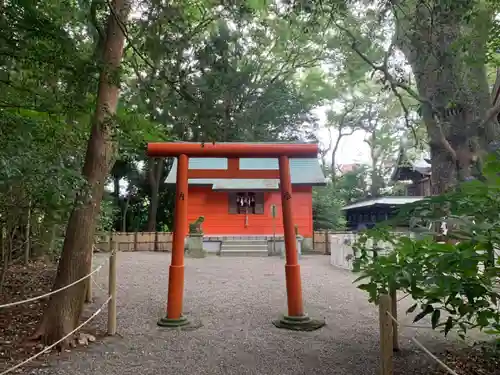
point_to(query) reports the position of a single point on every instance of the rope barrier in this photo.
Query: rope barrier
(421, 346)
(414, 326)
(98, 286)
(57, 342)
(54, 291)
(110, 302)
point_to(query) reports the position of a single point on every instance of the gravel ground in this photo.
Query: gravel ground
(236, 299)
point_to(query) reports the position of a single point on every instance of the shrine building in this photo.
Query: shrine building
(237, 198)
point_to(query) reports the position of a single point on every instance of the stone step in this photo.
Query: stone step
(228, 252)
(245, 242)
(243, 246)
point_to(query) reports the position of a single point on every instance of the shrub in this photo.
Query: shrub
(453, 281)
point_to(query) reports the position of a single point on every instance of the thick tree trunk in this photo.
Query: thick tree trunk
(64, 309)
(495, 93)
(452, 84)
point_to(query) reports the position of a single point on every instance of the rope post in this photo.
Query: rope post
(112, 290)
(386, 365)
(88, 294)
(394, 313)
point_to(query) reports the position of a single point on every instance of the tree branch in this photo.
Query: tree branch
(383, 68)
(394, 84)
(182, 92)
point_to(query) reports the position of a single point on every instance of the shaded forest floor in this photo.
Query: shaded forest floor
(478, 360)
(18, 323)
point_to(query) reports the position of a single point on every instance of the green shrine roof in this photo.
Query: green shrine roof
(302, 171)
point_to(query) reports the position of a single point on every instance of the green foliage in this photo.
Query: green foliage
(454, 282)
(217, 82)
(105, 218)
(48, 79)
(326, 208)
(45, 104)
(197, 77)
(246, 71)
(353, 185)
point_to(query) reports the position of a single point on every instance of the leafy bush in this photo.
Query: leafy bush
(327, 204)
(455, 282)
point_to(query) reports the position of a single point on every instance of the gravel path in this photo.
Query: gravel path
(236, 299)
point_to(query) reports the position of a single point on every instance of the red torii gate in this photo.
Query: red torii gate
(296, 319)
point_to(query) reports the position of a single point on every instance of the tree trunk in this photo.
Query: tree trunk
(373, 156)
(374, 187)
(333, 167)
(154, 175)
(2, 241)
(3, 272)
(11, 231)
(64, 308)
(116, 187)
(27, 243)
(452, 84)
(53, 237)
(4, 257)
(495, 93)
(124, 215)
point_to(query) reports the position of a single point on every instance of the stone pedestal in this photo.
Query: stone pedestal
(299, 247)
(195, 246)
(299, 323)
(307, 245)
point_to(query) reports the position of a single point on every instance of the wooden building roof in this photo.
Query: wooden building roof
(406, 170)
(381, 202)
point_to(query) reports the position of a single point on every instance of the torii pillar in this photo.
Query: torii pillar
(296, 319)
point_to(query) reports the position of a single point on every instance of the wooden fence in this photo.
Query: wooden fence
(137, 241)
(162, 241)
(321, 241)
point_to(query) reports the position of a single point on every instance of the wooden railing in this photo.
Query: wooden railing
(162, 241)
(137, 241)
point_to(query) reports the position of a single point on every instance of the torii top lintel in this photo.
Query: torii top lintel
(233, 150)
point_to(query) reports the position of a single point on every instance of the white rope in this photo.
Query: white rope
(442, 364)
(98, 286)
(414, 326)
(52, 292)
(57, 342)
(422, 347)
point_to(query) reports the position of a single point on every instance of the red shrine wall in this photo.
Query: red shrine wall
(214, 206)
